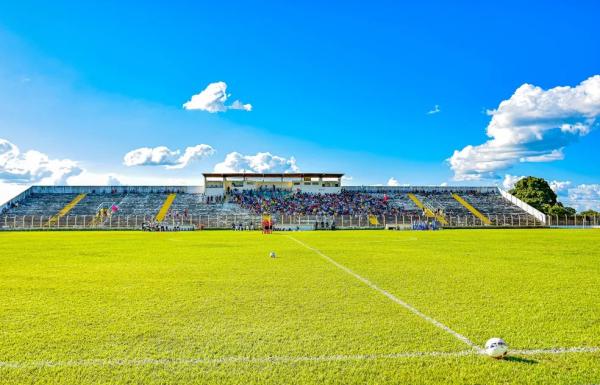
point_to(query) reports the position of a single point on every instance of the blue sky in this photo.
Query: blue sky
(344, 86)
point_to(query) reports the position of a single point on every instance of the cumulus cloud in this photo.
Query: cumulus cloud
(262, 162)
(558, 185)
(533, 125)
(163, 156)
(10, 190)
(90, 178)
(33, 166)
(510, 181)
(394, 182)
(435, 110)
(585, 197)
(112, 180)
(237, 105)
(213, 99)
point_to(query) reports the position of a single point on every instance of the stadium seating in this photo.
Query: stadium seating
(499, 210)
(490, 204)
(93, 202)
(134, 206)
(45, 205)
(196, 205)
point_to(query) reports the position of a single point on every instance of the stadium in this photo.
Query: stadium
(294, 201)
(299, 193)
(319, 296)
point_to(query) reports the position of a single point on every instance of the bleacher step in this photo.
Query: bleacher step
(65, 210)
(472, 209)
(428, 212)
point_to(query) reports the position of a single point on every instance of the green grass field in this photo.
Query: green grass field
(212, 307)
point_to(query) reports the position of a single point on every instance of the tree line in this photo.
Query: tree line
(537, 193)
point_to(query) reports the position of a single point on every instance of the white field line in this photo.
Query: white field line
(392, 297)
(273, 359)
(531, 352)
(227, 360)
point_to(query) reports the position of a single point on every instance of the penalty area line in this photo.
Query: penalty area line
(274, 359)
(392, 297)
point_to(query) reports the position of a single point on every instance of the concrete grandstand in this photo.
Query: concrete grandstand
(293, 200)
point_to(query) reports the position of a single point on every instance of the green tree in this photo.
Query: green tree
(590, 213)
(536, 192)
(560, 210)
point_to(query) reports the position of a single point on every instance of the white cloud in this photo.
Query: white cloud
(585, 197)
(534, 125)
(558, 186)
(10, 190)
(435, 110)
(237, 105)
(112, 180)
(20, 170)
(262, 162)
(394, 182)
(510, 181)
(33, 166)
(193, 153)
(89, 178)
(444, 184)
(163, 156)
(213, 98)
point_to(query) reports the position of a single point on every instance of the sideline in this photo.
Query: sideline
(275, 359)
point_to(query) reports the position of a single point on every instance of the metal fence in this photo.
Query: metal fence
(572, 221)
(133, 222)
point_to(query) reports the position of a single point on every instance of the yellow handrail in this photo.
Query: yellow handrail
(165, 207)
(428, 212)
(65, 210)
(472, 209)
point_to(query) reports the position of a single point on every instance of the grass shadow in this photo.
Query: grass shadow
(520, 360)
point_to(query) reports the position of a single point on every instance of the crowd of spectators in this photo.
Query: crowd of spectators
(284, 202)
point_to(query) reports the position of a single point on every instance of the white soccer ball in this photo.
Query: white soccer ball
(496, 347)
(272, 254)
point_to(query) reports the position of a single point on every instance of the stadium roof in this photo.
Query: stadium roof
(272, 175)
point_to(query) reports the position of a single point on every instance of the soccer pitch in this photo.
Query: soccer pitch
(347, 307)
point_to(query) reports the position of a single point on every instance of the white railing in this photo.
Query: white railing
(523, 206)
(288, 222)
